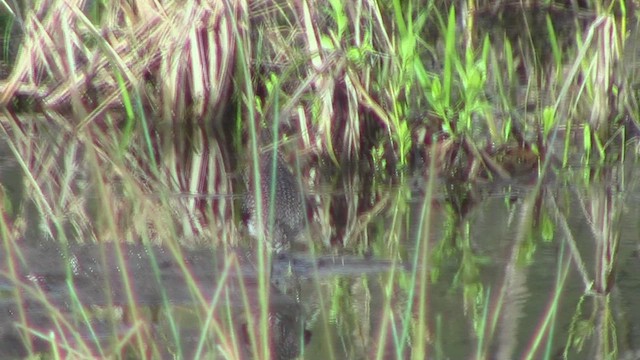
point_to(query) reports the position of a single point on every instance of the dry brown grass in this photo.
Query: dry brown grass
(139, 98)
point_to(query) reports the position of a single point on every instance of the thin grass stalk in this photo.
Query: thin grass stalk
(102, 191)
(574, 341)
(76, 102)
(317, 286)
(55, 66)
(54, 345)
(177, 255)
(555, 47)
(505, 100)
(449, 59)
(548, 322)
(128, 110)
(173, 326)
(479, 70)
(211, 308)
(603, 216)
(130, 295)
(129, 335)
(324, 85)
(259, 347)
(400, 80)
(198, 297)
(256, 338)
(60, 322)
(275, 127)
(84, 315)
(107, 279)
(56, 348)
(231, 322)
(492, 323)
(422, 253)
(387, 312)
(8, 245)
(580, 57)
(438, 353)
(111, 55)
(607, 343)
(563, 225)
(146, 129)
(387, 317)
(484, 327)
(549, 349)
(513, 278)
(43, 206)
(607, 51)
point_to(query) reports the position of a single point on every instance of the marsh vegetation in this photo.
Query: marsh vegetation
(466, 169)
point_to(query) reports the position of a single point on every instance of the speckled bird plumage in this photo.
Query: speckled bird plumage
(289, 219)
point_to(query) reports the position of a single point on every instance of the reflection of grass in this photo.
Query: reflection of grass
(140, 103)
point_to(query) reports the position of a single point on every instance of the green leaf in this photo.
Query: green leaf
(548, 120)
(548, 228)
(586, 139)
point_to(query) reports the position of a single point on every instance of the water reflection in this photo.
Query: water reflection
(512, 271)
(55, 285)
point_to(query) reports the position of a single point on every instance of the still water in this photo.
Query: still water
(513, 271)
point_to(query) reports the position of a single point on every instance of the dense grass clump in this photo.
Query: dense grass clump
(133, 122)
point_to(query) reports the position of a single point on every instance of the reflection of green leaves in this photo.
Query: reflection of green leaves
(338, 298)
(455, 247)
(474, 298)
(444, 249)
(441, 252)
(473, 289)
(548, 227)
(526, 251)
(469, 272)
(583, 330)
(586, 140)
(580, 330)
